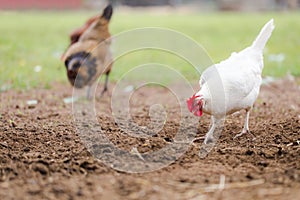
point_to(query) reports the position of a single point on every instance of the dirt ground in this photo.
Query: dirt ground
(43, 157)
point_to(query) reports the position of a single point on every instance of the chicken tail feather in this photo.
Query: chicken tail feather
(264, 35)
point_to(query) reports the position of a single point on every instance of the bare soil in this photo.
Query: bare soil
(42, 156)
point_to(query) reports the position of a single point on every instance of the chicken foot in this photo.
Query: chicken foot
(246, 126)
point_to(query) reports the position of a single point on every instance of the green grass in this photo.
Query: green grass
(36, 38)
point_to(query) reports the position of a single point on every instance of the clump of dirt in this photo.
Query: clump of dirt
(43, 157)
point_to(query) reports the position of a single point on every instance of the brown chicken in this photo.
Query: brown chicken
(89, 55)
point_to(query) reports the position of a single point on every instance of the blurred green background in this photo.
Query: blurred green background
(32, 41)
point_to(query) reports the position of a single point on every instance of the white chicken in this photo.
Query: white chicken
(231, 85)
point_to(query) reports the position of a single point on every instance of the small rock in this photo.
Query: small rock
(4, 144)
(39, 167)
(128, 89)
(13, 124)
(70, 100)
(31, 103)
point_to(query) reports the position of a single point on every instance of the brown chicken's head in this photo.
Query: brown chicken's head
(195, 105)
(81, 68)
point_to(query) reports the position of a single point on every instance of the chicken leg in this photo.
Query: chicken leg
(105, 84)
(246, 126)
(88, 92)
(215, 130)
(209, 137)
